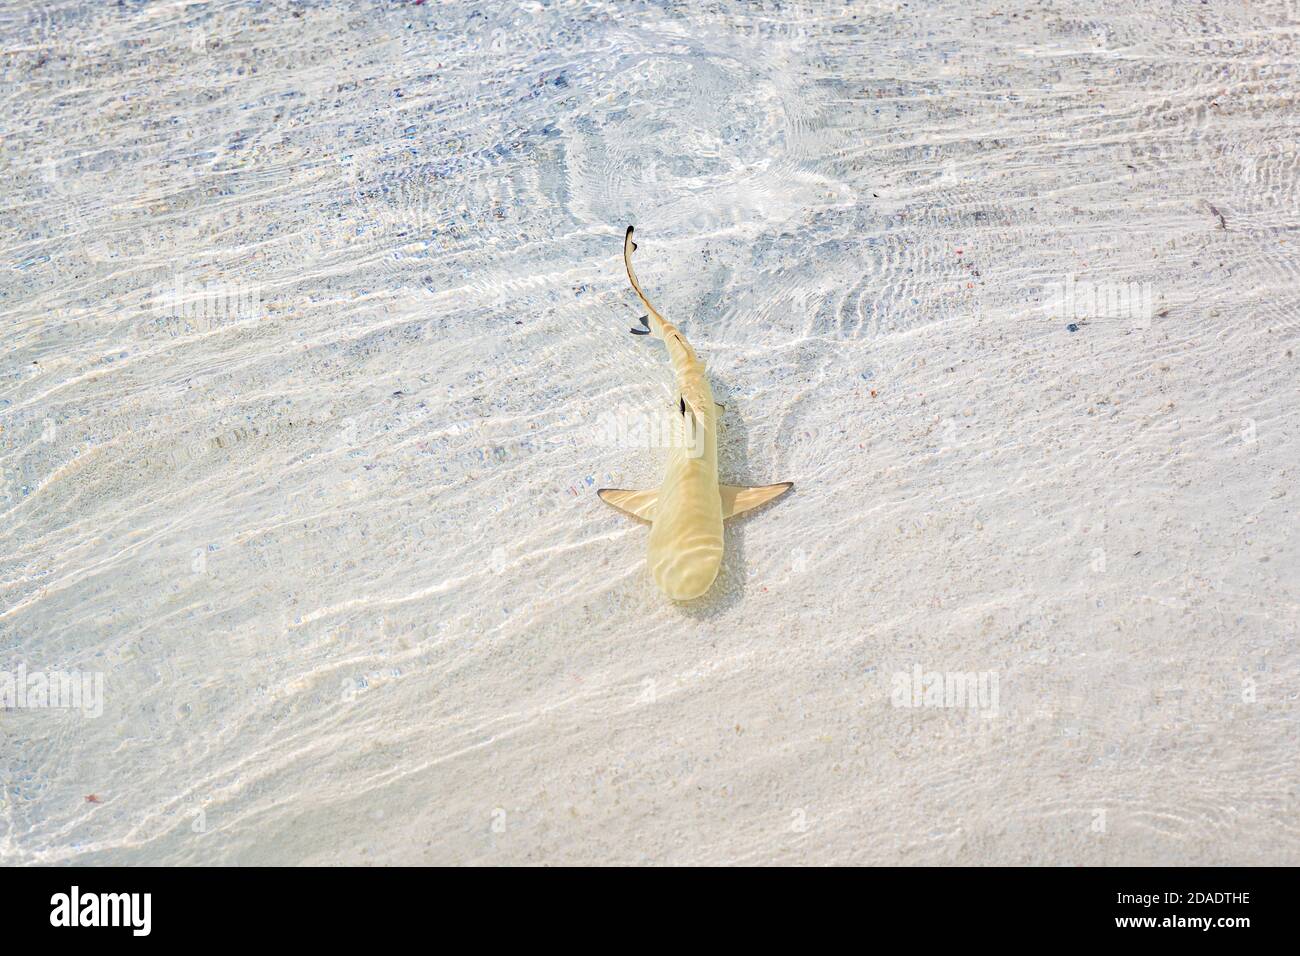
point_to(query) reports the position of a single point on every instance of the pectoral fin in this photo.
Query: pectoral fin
(736, 500)
(638, 504)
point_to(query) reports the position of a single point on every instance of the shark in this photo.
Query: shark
(686, 511)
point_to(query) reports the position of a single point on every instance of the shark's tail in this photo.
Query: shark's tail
(652, 321)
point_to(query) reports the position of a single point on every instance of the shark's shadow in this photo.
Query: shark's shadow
(733, 455)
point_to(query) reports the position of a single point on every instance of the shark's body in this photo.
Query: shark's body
(687, 510)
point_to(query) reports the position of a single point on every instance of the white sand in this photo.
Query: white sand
(336, 549)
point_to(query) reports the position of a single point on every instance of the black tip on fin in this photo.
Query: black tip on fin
(639, 331)
(645, 321)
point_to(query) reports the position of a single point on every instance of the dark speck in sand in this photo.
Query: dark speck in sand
(1072, 327)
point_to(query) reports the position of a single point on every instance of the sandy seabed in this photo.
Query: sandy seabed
(315, 351)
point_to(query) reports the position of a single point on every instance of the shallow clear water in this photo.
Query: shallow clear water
(315, 324)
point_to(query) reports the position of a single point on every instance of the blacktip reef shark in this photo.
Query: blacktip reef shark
(686, 511)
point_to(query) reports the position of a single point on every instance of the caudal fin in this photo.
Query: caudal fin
(652, 321)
